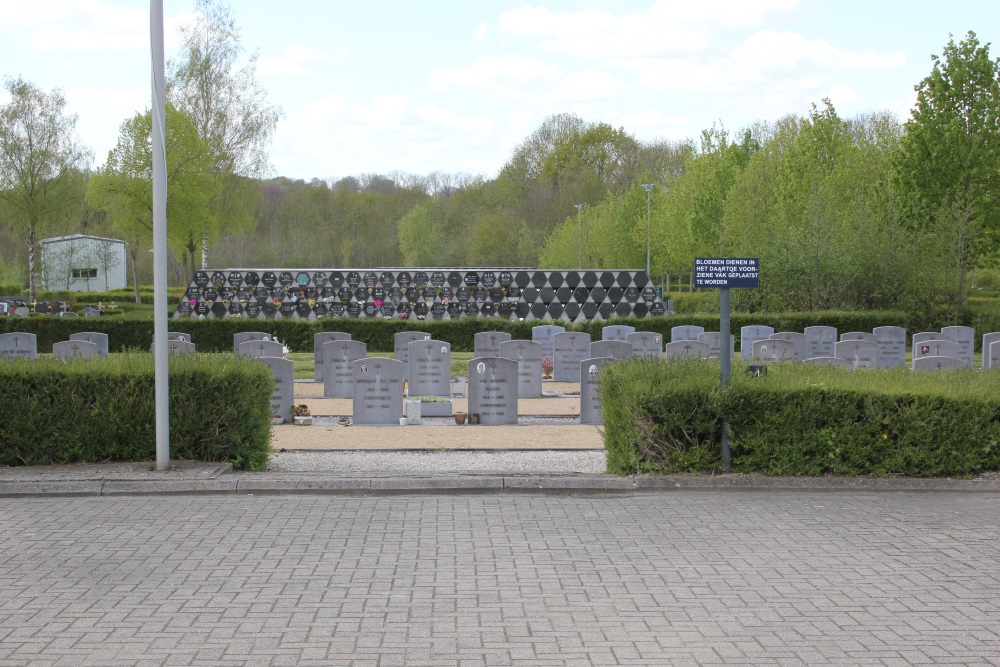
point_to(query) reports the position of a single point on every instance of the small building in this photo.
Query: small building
(80, 263)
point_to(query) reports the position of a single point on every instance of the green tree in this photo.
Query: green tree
(39, 155)
(123, 186)
(948, 168)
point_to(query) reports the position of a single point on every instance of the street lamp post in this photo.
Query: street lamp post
(579, 238)
(649, 188)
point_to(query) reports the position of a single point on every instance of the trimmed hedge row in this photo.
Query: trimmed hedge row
(801, 420)
(104, 410)
(212, 335)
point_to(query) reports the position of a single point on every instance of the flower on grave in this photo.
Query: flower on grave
(301, 410)
(193, 302)
(378, 303)
(404, 315)
(546, 366)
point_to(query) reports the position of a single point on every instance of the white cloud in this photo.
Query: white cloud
(294, 61)
(101, 113)
(482, 32)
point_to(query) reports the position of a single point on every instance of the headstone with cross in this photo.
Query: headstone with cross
(543, 334)
(748, 335)
(244, 336)
(685, 332)
(891, 346)
(283, 372)
(591, 372)
(860, 353)
(493, 390)
(338, 367)
(615, 349)
(646, 344)
(988, 340)
(820, 341)
(798, 341)
(714, 342)
(18, 345)
(937, 347)
(70, 350)
(616, 332)
(966, 339)
(829, 361)
(568, 350)
(97, 338)
(378, 391)
(177, 348)
(487, 343)
(934, 364)
(429, 372)
(400, 341)
(319, 340)
(682, 349)
(528, 356)
(774, 350)
(858, 335)
(256, 349)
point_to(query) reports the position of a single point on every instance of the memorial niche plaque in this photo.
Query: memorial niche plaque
(378, 294)
(269, 309)
(370, 279)
(370, 309)
(361, 294)
(420, 310)
(311, 293)
(287, 308)
(496, 294)
(472, 279)
(243, 296)
(438, 279)
(462, 294)
(302, 309)
(404, 308)
(412, 294)
(487, 279)
(319, 279)
(488, 309)
(338, 310)
(251, 278)
(404, 279)
(269, 279)
(387, 311)
(320, 309)
(455, 279)
(470, 308)
(262, 295)
(235, 279)
(353, 279)
(336, 279)
(631, 294)
(454, 310)
(649, 294)
(493, 390)
(252, 310)
(278, 294)
(201, 279)
(420, 279)
(378, 391)
(354, 309)
(428, 293)
(233, 309)
(480, 294)
(657, 309)
(184, 308)
(286, 278)
(202, 309)
(344, 295)
(438, 310)
(211, 294)
(505, 279)
(386, 279)
(505, 309)
(192, 293)
(395, 295)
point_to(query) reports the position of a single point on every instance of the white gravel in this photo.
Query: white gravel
(381, 462)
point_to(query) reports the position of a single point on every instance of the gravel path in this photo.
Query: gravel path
(594, 462)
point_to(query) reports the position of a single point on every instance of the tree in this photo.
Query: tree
(229, 109)
(123, 187)
(39, 151)
(948, 168)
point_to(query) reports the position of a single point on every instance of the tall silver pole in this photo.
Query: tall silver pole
(649, 188)
(725, 363)
(160, 358)
(579, 238)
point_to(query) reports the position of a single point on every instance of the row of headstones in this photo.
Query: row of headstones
(83, 345)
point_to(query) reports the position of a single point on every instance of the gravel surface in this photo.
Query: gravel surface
(594, 462)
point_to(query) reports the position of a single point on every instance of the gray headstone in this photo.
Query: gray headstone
(18, 345)
(646, 344)
(891, 346)
(528, 355)
(988, 339)
(616, 332)
(925, 336)
(859, 335)
(283, 372)
(543, 334)
(378, 391)
(430, 368)
(319, 340)
(685, 332)
(681, 349)
(338, 367)
(399, 343)
(712, 338)
(966, 339)
(569, 349)
(179, 336)
(177, 348)
(493, 390)
(937, 348)
(98, 339)
(934, 364)
(22, 311)
(828, 361)
(748, 335)
(244, 336)
(820, 341)
(615, 349)
(591, 371)
(257, 349)
(861, 353)
(795, 338)
(774, 349)
(993, 354)
(75, 349)
(487, 343)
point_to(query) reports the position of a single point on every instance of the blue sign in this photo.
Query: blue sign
(727, 272)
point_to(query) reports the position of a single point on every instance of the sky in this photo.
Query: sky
(455, 86)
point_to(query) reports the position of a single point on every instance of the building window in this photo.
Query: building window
(84, 273)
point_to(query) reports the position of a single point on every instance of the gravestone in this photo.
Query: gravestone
(257, 349)
(319, 340)
(774, 350)
(616, 332)
(378, 391)
(712, 339)
(98, 339)
(18, 345)
(860, 353)
(686, 332)
(966, 339)
(68, 350)
(487, 343)
(493, 390)
(748, 335)
(615, 349)
(528, 355)
(283, 372)
(796, 339)
(180, 336)
(591, 371)
(430, 368)
(568, 350)
(682, 349)
(937, 348)
(543, 334)
(891, 346)
(993, 354)
(988, 339)
(828, 361)
(820, 341)
(919, 343)
(177, 348)
(859, 335)
(399, 343)
(338, 366)
(934, 364)
(646, 344)
(244, 336)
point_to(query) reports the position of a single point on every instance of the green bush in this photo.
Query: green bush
(801, 420)
(104, 410)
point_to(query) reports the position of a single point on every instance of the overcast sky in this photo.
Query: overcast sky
(456, 85)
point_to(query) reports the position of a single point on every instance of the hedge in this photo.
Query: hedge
(801, 420)
(104, 410)
(216, 335)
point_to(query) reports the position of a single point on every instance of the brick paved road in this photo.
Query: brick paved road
(686, 578)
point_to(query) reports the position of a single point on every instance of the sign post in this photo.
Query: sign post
(722, 273)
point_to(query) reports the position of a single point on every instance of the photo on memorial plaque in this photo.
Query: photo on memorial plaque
(462, 294)
(286, 278)
(319, 279)
(506, 279)
(235, 279)
(438, 279)
(354, 309)
(420, 279)
(353, 279)
(269, 279)
(201, 279)
(487, 279)
(251, 278)
(386, 279)
(202, 309)
(370, 279)
(404, 279)
(211, 294)
(361, 294)
(320, 310)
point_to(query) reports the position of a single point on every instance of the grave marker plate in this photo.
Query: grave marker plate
(752, 333)
(774, 350)
(891, 346)
(829, 361)
(487, 343)
(430, 368)
(338, 361)
(686, 332)
(543, 334)
(401, 340)
(69, 350)
(820, 341)
(966, 339)
(616, 332)
(98, 339)
(177, 348)
(988, 339)
(795, 338)
(859, 335)
(646, 344)
(591, 371)
(712, 339)
(933, 363)
(244, 336)
(378, 391)
(319, 340)
(937, 348)
(493, 390)
(568, 350)
(258, 349)
(687, 348)
(18, 345)
(528, 355)
(283, 372)
(614, 349)
(860, 353)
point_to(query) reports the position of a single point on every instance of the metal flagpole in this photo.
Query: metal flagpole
(160, 358)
